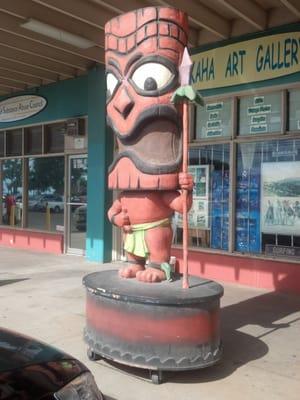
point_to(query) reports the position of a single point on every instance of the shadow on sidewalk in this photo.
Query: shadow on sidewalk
(240, 348)
(262, 312)
(4, 282)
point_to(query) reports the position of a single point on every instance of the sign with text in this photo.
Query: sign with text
(248, 61)
(282, 251)
(21, 107)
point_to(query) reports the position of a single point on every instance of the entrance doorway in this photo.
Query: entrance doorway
(77, 204)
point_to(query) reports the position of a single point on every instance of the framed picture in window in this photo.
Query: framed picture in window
(280, 198)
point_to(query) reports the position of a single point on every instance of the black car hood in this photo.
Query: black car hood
(38, 381)
(30, 369)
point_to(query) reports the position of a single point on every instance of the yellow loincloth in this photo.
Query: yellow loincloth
(135, 241)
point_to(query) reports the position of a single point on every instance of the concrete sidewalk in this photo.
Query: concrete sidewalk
(42, 295)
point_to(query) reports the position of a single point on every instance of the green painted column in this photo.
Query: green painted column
(100, 148)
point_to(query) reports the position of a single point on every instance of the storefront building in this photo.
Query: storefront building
(244, 148)
(53, 158)
(245, 158)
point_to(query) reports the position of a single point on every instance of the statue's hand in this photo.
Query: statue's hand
(127, 228)
(122, 220)
(186, 181)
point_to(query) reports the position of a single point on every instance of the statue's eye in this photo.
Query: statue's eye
(111, 84)
(152, 76)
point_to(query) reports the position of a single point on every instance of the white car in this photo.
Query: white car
(54, 201)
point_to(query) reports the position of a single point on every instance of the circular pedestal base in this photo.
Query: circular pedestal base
(157, 326)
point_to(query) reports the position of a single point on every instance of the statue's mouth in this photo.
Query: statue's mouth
(154, 144)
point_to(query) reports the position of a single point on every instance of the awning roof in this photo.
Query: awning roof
(29, 59)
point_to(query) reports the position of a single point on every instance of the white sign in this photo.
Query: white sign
(21, 107)
(79, 143)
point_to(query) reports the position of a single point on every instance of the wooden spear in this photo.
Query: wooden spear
(186, 95)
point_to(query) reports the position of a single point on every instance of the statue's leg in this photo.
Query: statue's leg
(135, 264)
(159, 241)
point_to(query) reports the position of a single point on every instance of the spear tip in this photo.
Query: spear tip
(185, 68)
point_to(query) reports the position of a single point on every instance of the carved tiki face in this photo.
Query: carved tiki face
(143, 51)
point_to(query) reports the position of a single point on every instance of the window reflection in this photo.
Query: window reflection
(209, 215)
(12, 204)
(268, 197)
(45, 193)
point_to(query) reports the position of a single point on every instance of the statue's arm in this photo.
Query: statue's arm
(175, 199)
(118, 215)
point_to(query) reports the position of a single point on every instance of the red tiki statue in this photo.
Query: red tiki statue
(143, 51)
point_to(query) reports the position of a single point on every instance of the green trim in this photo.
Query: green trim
(99, 232)
(285, 80)
(65, 99)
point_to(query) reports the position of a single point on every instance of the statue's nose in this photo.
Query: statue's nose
(123, 102)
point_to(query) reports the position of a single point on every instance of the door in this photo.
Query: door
(77, 204)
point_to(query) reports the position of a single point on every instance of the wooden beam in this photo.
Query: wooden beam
(247, 10)
(83, 11)
(43, 51)
(18, 78)
(25, 10)
(12, 85)
(11, 24)
(201, 16)
(293, 6)
(29, 71)
(120, 7)
(43, 64)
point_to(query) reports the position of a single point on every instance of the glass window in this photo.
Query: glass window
(55, 138)
(14, 142)
(268, 197)
(214, 120)
(45, 193)
(33, 140)
(2, 144)
(260, 114)
(294, 110)
(12, 205)
(209, 216)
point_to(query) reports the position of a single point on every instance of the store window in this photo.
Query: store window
(33, 140)
(55, 138)
(2, 144)
(214, 120)
(294, 110)
(260, 114)
(268, 198)
(209, 216)
(14, 142)
(12, 204)
(45, 193)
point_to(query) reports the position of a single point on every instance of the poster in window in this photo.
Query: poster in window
(214, 120)
(280, 198)
(199, 213)
(200, 176)
(198, 216)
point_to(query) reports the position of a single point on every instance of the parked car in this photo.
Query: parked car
(54, 201)
(32, 202)
(32, 370)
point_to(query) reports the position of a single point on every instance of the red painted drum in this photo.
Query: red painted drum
(157, 327)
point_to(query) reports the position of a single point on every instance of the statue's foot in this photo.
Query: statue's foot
(131, 271)
(151, 275)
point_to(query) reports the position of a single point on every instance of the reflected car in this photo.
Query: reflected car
(32, 370)
(80, 218)
(54, 201)
(32, 202)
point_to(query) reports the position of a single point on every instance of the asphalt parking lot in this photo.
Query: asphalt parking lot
(42, 295)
